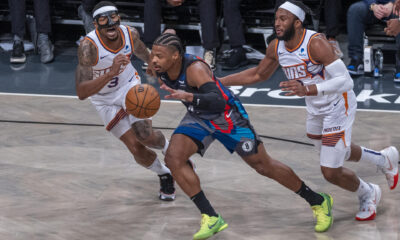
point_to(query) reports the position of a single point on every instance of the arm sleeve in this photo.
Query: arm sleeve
(209, 99)
(339, 79)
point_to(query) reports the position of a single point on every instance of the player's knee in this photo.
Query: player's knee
(142, 130)
(330, 174)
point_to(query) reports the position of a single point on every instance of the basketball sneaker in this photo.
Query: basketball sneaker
(167, 188)
(323, 213)
(209, 226)
(368, 203)
(391, 168)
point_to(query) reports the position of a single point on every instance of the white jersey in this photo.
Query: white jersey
(298, 65)
(127, 77)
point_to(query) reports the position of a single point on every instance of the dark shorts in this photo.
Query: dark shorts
(239, 137)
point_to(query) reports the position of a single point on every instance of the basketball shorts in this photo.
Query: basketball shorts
(112, 113)
(240, 138)
(334, 131)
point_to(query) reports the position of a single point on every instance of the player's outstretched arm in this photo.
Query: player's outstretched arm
(209, 97)
(85, 85)
(139, 48)
(262, 72)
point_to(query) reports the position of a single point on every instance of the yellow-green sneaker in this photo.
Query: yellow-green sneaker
(323, 213)
(209, 226)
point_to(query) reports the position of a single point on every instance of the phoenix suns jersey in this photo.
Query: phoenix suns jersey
(127, 77)
(297, 64)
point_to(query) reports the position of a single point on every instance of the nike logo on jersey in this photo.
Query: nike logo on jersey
(103, 56)
(229, 114)
(336, 103)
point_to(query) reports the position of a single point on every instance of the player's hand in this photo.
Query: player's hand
(118, 61)
(293, 87)
(393, 27)
(177, 94)
(175, 3)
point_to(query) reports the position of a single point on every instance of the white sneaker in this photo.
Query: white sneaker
(391, 168)
(368, 204)
(209, 58)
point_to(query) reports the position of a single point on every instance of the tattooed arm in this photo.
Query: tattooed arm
(85, 85)
(140, 49)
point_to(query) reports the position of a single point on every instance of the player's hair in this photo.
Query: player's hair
(301, 5)
(170, 40)
(102, 4)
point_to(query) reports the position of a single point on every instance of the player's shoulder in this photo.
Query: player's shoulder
(87, 52)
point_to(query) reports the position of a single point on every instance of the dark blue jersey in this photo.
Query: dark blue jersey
(233, 114)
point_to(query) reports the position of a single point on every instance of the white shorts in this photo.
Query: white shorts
(115, 118)
(334, 130)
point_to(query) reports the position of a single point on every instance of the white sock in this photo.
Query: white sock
(158, 167)
(165, 147)
(372, 156)
(363, 188)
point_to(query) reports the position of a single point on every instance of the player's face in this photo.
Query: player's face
(163, 58)
(107, 29)
(284, 24)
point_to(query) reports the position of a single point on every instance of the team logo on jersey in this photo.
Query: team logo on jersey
(247, 146)
(302, 70)
(302, 53)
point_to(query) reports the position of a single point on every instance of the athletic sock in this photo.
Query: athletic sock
(363, 188)
(309, 195)
(203, 204)
(372, 156)
(158, 167)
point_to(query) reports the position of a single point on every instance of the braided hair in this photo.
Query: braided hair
(170, 40)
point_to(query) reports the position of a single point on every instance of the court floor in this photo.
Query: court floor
(63, 177)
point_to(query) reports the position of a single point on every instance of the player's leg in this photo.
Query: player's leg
(386, 160)
(321, 203)
(150, 137)
(336, 141)
(190, 137)
(118, 123)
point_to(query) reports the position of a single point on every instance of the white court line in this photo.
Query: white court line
(176, 101)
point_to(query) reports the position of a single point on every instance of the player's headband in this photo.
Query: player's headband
(104, 9)
(296, 10)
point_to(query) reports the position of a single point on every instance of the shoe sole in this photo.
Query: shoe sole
(372, 217)
(330, 208)
(18, 60)
(396, 162)
(166, 197)
(223, 227)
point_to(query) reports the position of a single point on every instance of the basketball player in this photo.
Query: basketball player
(213, 112)
(105, 74)
(314, 71)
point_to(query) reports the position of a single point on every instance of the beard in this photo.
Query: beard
(288, 34)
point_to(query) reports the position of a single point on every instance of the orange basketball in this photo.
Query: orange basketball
(142, 101)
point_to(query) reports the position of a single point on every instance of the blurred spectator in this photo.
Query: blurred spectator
(43, 28)
(393, 29)
(359, 15)
(332, 11)
(233, 22)
(208, 19)
(85, 13)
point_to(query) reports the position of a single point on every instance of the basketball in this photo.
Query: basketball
(142, 101)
